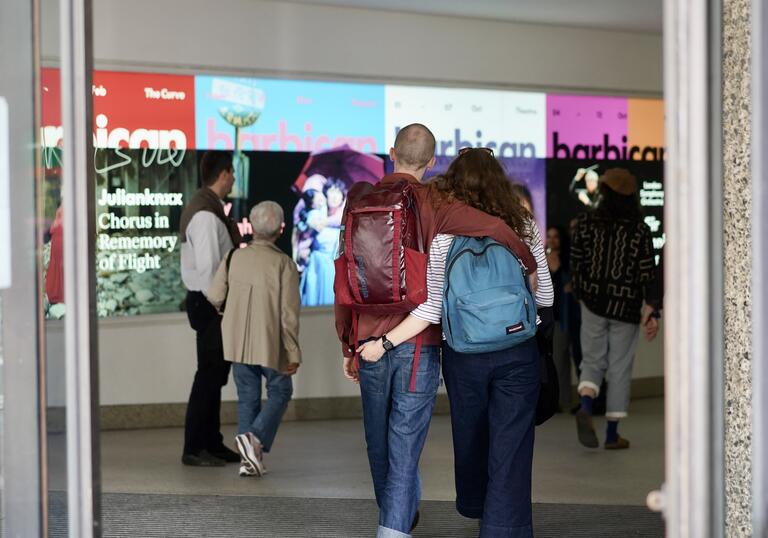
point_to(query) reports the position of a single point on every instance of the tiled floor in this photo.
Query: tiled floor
(327, 459)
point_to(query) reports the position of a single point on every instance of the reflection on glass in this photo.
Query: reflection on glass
(241, 105)
(53, 301)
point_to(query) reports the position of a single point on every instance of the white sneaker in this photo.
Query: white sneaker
(246, 470)
(250, 450)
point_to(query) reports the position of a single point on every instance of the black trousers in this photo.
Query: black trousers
(203, 422)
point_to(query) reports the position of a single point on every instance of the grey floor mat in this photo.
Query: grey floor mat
(149, 516)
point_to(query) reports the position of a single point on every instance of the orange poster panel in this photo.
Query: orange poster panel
(646, 126)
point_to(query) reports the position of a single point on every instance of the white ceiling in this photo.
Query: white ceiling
(628, 15)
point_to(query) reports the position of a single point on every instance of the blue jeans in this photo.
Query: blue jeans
(251, 416)
(493, 400)
(396, 422)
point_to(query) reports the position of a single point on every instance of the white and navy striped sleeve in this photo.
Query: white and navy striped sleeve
(431, 310)
(545, 294)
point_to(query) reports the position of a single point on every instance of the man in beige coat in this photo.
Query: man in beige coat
(260, 332)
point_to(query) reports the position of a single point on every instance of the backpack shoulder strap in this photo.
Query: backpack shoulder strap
(231, 253)
(229, 259)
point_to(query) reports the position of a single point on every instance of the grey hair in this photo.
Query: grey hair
(266, 219)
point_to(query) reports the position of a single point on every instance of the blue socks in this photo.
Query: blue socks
(586, 404)
(612, 431)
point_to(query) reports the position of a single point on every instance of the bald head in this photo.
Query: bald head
(414, 146)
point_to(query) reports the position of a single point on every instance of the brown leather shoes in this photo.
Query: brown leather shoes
(586, 430)
(620, 444)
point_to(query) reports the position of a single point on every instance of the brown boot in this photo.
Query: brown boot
(620, 444)
(586, 430)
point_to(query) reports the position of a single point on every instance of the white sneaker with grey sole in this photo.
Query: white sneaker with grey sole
(246, 470)
(249, 447)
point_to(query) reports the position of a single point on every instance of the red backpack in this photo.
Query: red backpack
(382, 264)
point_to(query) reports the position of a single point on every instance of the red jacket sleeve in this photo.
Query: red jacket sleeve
(342, 313)
(457, 218)
(344, 329)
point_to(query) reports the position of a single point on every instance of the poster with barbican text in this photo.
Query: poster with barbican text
(151, 129)
(512, 124)
(587, 135)
(288, 115)
(302, 144)
(145, 171)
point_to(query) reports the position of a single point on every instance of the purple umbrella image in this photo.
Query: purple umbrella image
(343, 163)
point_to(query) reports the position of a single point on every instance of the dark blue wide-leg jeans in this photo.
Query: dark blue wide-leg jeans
(493, 400)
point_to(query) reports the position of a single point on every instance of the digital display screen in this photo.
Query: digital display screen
(303, 144)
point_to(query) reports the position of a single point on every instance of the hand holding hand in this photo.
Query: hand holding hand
(371, 351)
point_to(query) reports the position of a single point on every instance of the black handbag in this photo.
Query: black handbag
(549, 396)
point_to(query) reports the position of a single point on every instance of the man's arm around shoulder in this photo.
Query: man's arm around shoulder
(458, 218)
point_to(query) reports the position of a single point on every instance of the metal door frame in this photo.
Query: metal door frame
(81, 337)
(693, 499)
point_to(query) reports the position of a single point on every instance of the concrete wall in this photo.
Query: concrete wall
(151, 359)
(335, 42)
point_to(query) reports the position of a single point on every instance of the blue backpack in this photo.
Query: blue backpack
(487, 305)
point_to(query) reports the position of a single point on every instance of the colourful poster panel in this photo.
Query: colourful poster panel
(585, 127)
(605, 128)
(285, 115)
(646, 128)
(130, 110)
(51, 132)
(512, 123)
(138, 110)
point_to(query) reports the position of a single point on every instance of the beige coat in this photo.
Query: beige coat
(261, 319)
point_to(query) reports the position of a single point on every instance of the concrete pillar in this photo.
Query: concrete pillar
(736, 136)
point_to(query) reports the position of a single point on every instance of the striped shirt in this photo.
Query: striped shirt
(431, 310)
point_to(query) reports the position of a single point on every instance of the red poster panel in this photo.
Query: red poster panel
(130, 110)
(138, 110)
(50, 105)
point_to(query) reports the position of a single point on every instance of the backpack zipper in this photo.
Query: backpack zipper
(377, 209)
(448, 271)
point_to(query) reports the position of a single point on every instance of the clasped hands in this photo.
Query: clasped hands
(370, 351)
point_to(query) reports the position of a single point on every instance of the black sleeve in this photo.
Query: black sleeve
(577, 254)
(544, 336)
(655, 291)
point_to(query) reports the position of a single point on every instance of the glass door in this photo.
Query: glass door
(24, 495)
(49, 456)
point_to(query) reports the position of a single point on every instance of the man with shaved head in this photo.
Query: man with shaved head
(414, 148)
(396, 417)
